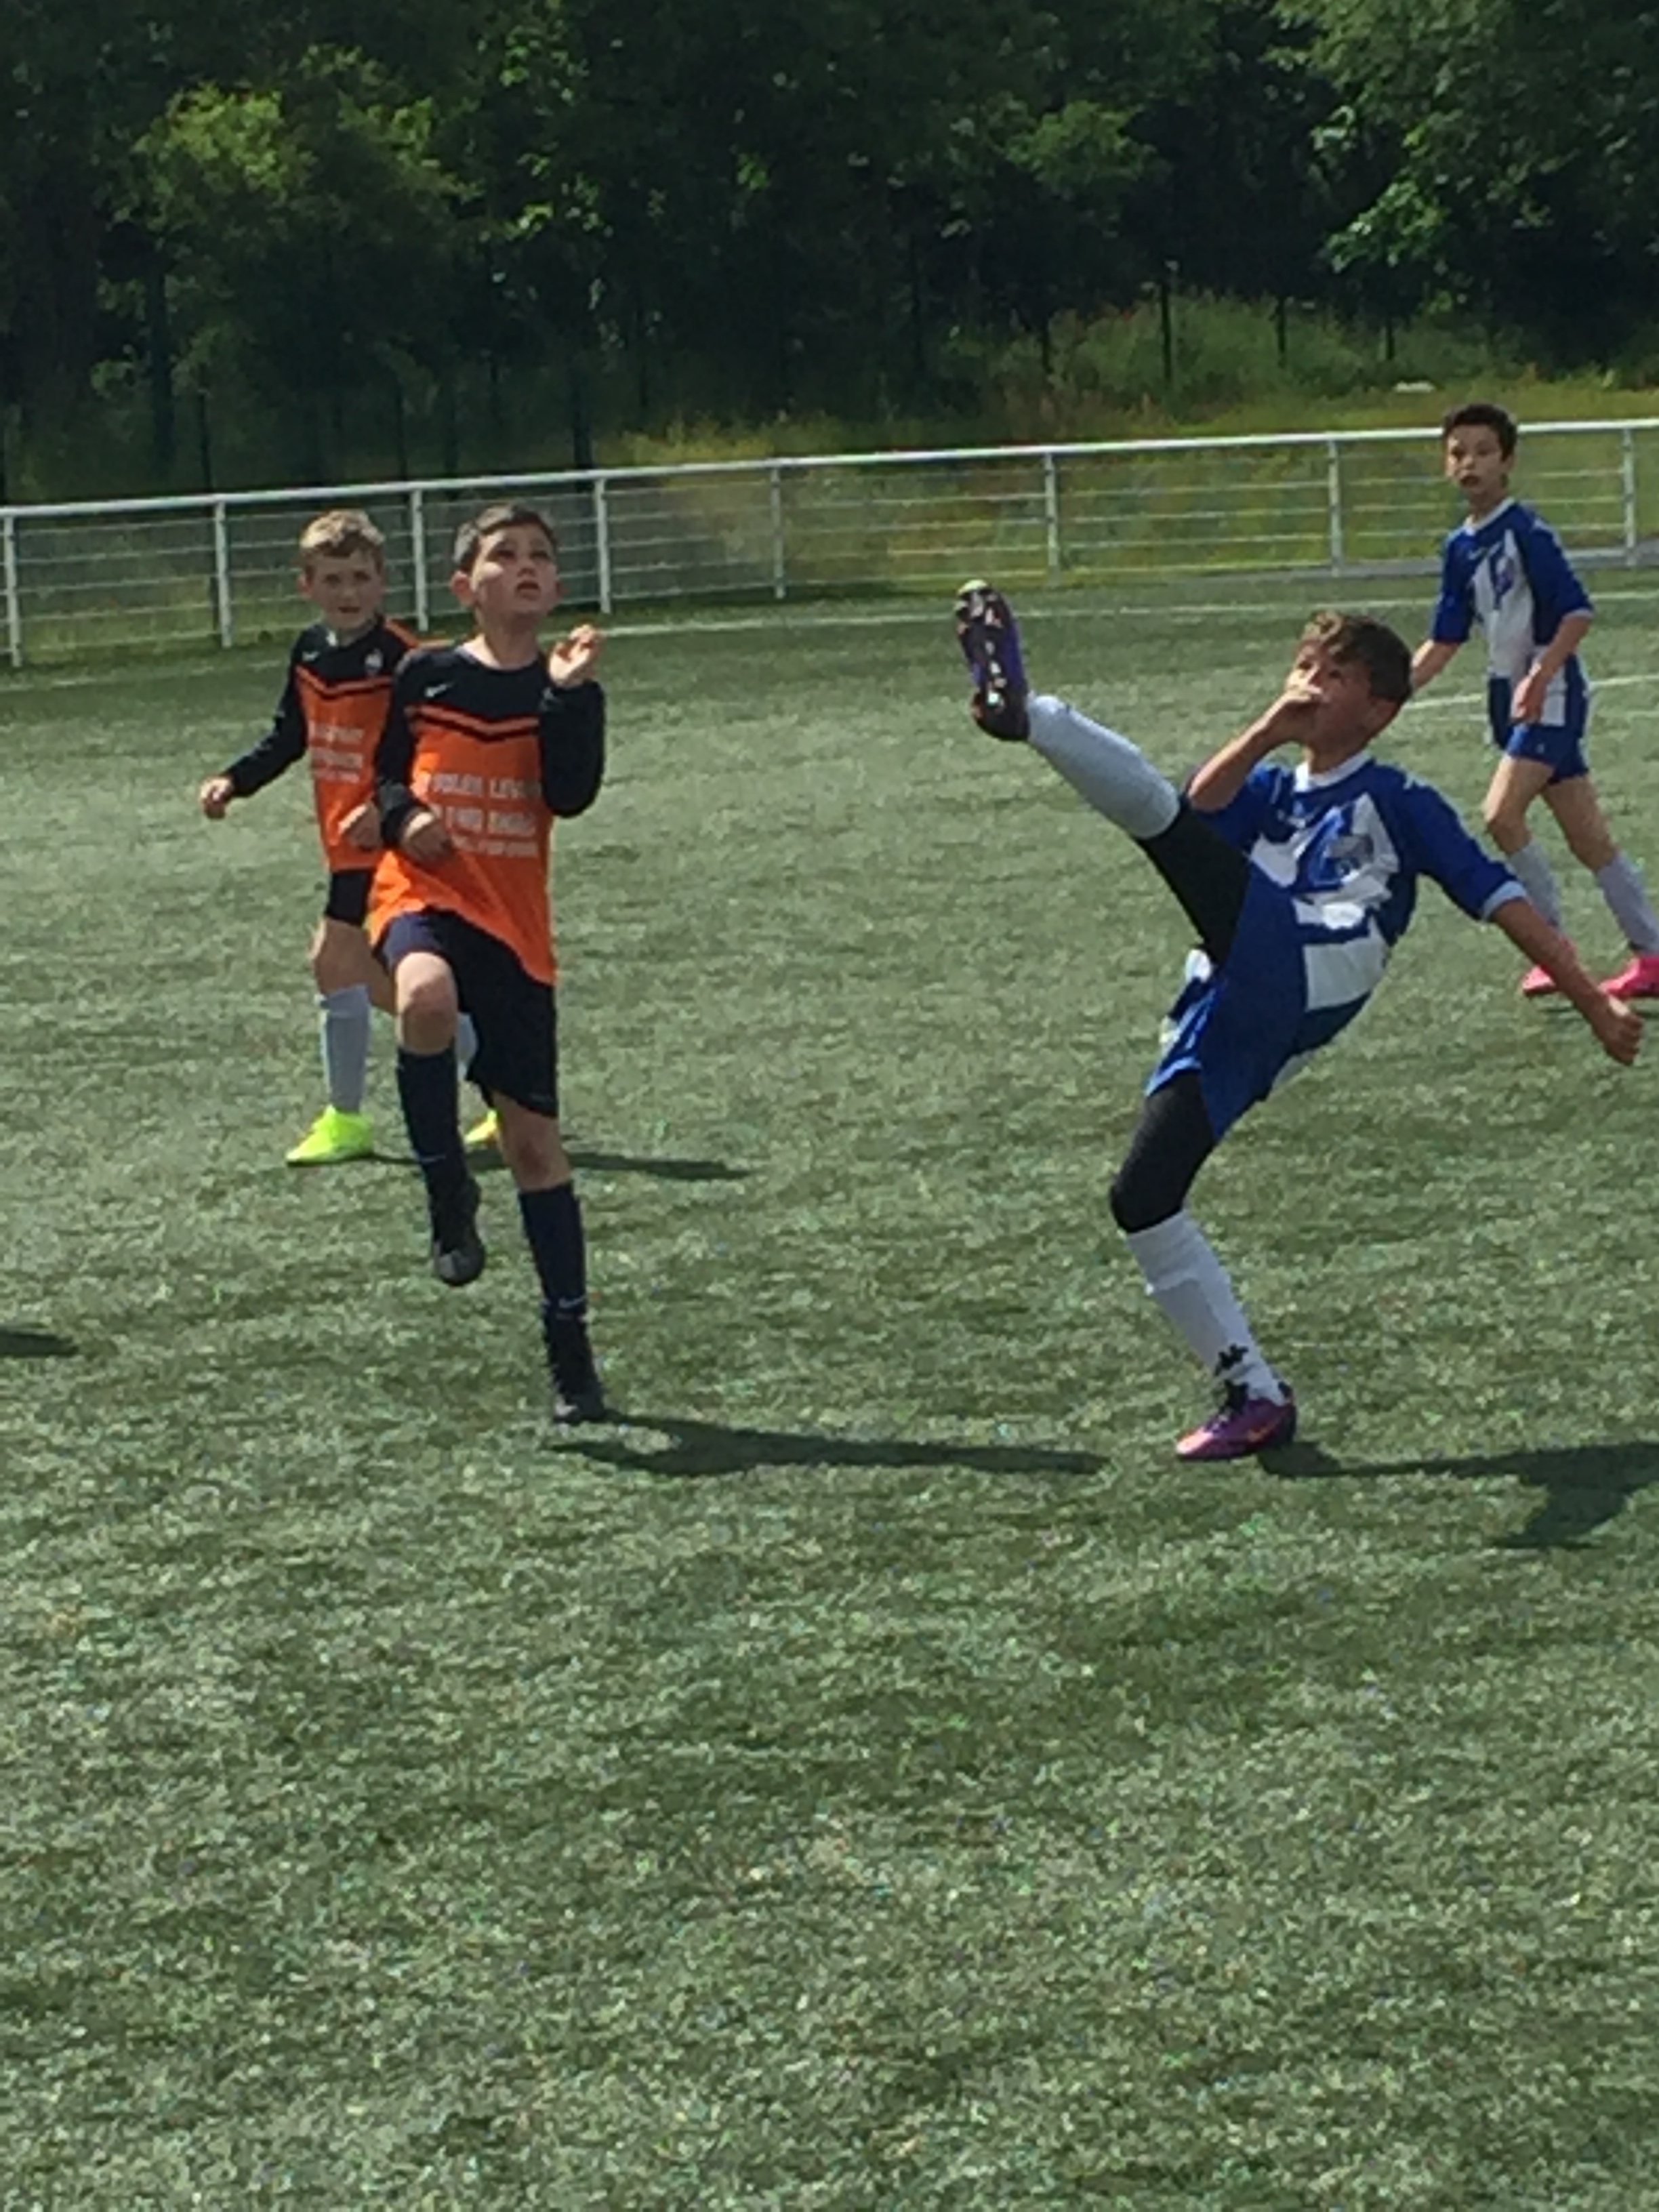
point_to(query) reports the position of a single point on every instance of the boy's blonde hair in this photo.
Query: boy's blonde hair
(342, 530)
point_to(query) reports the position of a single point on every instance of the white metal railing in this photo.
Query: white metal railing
(90, 575)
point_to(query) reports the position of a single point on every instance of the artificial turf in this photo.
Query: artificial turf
(873, 1773)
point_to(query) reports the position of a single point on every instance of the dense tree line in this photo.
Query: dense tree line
(782, 205)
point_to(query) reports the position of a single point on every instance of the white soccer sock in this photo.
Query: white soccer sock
(345, 1046)
(1191, 1287)
(466, 1041)
(1620, 884)
(1537, 878)
(1115, 777)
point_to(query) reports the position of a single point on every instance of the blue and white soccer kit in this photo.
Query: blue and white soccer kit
(1510, 575)
(1334, 863)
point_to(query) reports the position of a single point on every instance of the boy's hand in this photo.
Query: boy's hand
(216, 796)
(1528, 703)
(424, 838)
(362, 827)
(1618, 1027)
(572, 659)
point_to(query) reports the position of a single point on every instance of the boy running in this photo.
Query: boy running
(1504, 569)
(485, 743)
(331, 713)
(1299, 882)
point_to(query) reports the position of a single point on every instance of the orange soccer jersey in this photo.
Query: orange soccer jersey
(496, 753)
(332, 711)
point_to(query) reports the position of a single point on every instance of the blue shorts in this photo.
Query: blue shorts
(1559, 745)
(1243, 1026)
(515, 1016)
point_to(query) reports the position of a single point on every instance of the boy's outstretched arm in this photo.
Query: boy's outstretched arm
(1430, 658)
(1527, 705)
(1618, 1030)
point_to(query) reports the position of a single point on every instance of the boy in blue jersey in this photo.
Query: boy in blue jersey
(1298, 882)
(1503, 571)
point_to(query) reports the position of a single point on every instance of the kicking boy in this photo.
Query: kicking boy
(1299, 882)
(332, 708)
(1503, 568)
(485, 744)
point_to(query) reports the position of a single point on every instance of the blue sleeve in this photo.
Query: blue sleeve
(1555, 583)
(1442, 848)
(1454, 610)
(1244, 816)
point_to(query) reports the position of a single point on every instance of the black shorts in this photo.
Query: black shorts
(348, 896)
(515, 1015)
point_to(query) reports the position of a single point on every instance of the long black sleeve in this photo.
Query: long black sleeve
(283, 745)
(573, 747)
(394, 757)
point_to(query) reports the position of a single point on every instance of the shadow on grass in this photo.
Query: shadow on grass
(1584, 1485)
(665, 1169)
(35, 1344)
(697, 1447)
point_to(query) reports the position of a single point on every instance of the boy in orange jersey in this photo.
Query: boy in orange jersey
(485, 743)
(332, 711)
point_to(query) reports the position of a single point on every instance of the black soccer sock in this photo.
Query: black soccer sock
(426, 1084)
(553, 1227)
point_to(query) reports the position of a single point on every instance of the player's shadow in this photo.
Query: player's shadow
(35, 1344)
(1584, 1485)
(665, 1170)
(700, 1447)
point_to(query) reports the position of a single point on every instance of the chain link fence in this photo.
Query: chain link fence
(86, 579)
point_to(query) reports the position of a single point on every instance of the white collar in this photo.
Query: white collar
(1308, 780)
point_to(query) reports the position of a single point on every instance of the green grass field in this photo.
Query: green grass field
(873, 1774)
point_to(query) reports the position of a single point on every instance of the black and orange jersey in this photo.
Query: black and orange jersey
(332, 711)
(496, 753)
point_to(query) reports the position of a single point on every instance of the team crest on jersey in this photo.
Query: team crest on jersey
(374, 662)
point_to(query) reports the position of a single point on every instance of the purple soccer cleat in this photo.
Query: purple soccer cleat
(990, 640)
(1241, 1426)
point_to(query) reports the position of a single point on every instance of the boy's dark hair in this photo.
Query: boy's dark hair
(1381, 653)
(500, 515)
(1483, 415)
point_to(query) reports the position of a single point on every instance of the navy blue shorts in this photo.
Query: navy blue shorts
(515, 1016)
(348, 896)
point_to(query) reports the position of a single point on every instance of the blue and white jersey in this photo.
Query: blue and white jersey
(1335, 862)
(1510, 575)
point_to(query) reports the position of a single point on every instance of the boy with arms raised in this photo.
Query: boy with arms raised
(1503, 571)
(1299, 882)
(485, 743)
(331, 713)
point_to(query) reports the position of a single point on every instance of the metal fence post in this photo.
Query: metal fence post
(417, 556)
(1627, 482)
(780, 575)
(222, 576)
(1334, 501)
(14, 597)
(602, 541)
(1051, 515)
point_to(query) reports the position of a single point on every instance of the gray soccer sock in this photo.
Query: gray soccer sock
(345, 1046)
(466, 1041)
(1115, 777)
(1193, 1294)
(1620, 884)
(1537, 878)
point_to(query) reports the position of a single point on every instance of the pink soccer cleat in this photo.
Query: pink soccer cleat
(1538, 983)
(1639, 980)
(1242, 1425)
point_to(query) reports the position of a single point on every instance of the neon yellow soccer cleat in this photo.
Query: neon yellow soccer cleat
(484, 1133)
(333, 1136)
